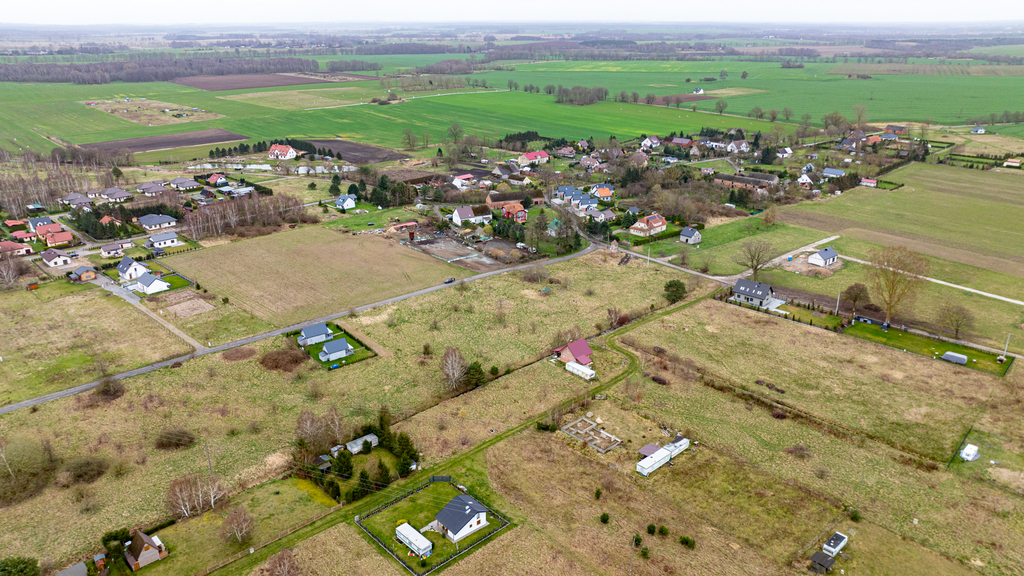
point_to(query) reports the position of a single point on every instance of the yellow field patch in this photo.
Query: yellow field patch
(152, 112)
(724, 92)
(301, 99)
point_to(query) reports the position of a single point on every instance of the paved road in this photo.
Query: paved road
(951, 285)
(203, 350)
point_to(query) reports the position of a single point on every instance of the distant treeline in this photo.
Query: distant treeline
(352, 66)
(455, 66)
(596, 50)
(150, 70)
(406, 48)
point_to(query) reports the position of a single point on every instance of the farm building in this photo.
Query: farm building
(149, 284)
(356, 446)
(143, 550)
(315, 334)
(462, 516)
(750, 292)
(412, 538)
(580, 370)
(1012, 163)
(497, 200)
(577, 351)
(281, 152)
(835, 544)
(689, 235)
(833, 173)
(54, 257)
(649, 226)
(896, 129)
(826, 257)
(336, 350)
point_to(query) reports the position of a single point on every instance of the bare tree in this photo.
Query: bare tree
(707, 260)
(453, 367)
(4, 443)
(409, 138)
(787, 113)
(455, 133)
(755, 255)
(184, 498)
(896, 275)
(650, 98)
(311, 432)
(11, 268)
(860, 113)
(954, 317)
(856, 293)
(334, 424)
(282, 564)
(425, 139)
(238, 525)
(773, 114)
(721, 105)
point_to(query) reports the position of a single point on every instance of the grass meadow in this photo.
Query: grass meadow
(63, 335)
(868, 388)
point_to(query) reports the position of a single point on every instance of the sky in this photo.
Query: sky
(202, 12)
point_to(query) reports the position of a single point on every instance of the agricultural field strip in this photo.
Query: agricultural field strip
(279, 331)
(411, 98)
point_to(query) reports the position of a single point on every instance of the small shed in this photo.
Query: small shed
(821, 562)
(825, 257)
(412, 538)
(955, 358)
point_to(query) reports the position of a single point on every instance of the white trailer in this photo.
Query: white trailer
(835, 544)
(412, 538)
(676, 447)
(580, 370)
(653, 462)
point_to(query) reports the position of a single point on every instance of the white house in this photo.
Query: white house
(153, 222)
(281, 152)
(750, 292)
(738, 146)
(336, 350)
(129, 269)
(461, 517)
(471, 214)
(825, 257)
(315, 334)
(689, 235)
(977, 130)
(808, 168)
(54, 258)
(698, 90)
(651, 142)
(149, 284)
(716, 144)
(412, 538)
(784, 152)
(163, 240)
(346, 202)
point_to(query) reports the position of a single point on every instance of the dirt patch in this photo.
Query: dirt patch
(284, 360)
(800, 265)
(190, 308)
(1009, 477)
(244, 81)
(238, 354)
(169, 141)
(457, 253)
(358, 153)
(153, 112)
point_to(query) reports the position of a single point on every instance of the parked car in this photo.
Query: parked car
(449, 281)
(369, 223)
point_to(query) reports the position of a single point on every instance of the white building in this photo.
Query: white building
(461, 517)
(412, 538)
(149, 284)
(580, 370)
(689, 235)
(826, 257)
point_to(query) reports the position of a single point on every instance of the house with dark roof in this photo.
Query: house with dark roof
(116, 195)
(889, 137)
(833, 173)
(826, 257)
(149, 284)
(345, 202)
(111, 250)
(41, 221)
(54, 257)
(808, 179)
(754, 293)
(336, 350)
(315, 334)
(577, 351)
(129, 269)
(83, 274)
(978, 130)
(143, 550)
(462, 516)
(163, 240)
(896, 129)
(472, 214)
(153, 222)
(649, 226)
(689, 235)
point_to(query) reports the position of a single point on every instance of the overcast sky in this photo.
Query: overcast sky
(202, 13)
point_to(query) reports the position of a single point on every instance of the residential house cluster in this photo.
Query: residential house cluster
(333, 348)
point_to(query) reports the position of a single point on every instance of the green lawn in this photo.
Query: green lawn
(807, 316)
(196, 544)
(724, 242)
(176, 281)
(360, 351)
(907, 342)
(59, 288)
(136, 253)
(379, 218)
(419, 510)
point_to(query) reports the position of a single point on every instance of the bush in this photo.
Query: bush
(604, 518)
(494, 370)
(114, 541)
(644, 552)
(19, 566)
(688, 542)
(367, 446)
(109, 389)
(651, 529)
(637, 540)
(284, 360)
(663, 530)
(224, 299)
(423, 562)
(800, 451)
(86, 469)
(855, 515)
(175, 438)
(597, 494)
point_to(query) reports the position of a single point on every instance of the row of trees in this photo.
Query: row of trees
(352, 66)
(252, 210)
(580, 95)
(155, 70)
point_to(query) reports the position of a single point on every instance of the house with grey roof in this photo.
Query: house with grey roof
(689, 235)
(753, 293)
(54, 257)
(41, 221)
(149, 284)
(163, 240)
(116, 195)
(345, 202)
(129, 269)
(336, 350)
(153, 222)
(462, 516)
(315, 334)
(833, 173)
(826, 257)
(83, 274)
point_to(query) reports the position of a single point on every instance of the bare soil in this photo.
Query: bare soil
(190, 308)
(151, 112)
(359, 153)
(448, 250)
(169, 141)
(245, 81)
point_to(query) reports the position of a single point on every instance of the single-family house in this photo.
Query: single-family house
(462, 516)
(108, 219)
(503, 171)
(869, 182)
(54, 257)
(563, 191)
(8, 248)
(786, 152)
(604, 192)
(143, 550)
(110, 250)
(808, 168)
(651, 142)
(83, 274)
(553, 227)
(59, 238)
(716, 144)
(519, 180)
(633, 210)
(480, 214)
(825, 257)
(414, 540)
(978, 130)
(45, 229)
(336, 350)
(184, 184)
(707, 171)
(217, 180)
(41, 221)
(889, 137)
(605, 216)
(577, 351)
(589, 163)
(345, 202)
(315, 334)
(149, 284)
(896, 129)
(514, 212)
(129, 269)
(698, 90)
(566, 152)
(872, 140)
(92, 193)
(23, 235)
(530, 158)
(73, 197)
(755, 293)
(281, 152)
(152, 222)
(116, 195)
(583, 144)
(356, 446)
(586, 202)
(833, 173)
(163, 240)
(737, 146)
(808, 180)
(689, 235)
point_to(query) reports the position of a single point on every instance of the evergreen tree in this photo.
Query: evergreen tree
(336, 180)
(383, 475)
(362, 185)
(354, 190)
(475, 376)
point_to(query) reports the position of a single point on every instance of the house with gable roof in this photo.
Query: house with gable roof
(754, 293)
(462, 516)
(143, 550)
(825, 257)
(577, 351)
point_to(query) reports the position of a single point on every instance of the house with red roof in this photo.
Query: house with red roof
(649, 226)
(217, 180)
(59, 238)
(14, 248)
(577, 351)
(12, 224)
(281, 152)
(108, 219)
(46, 229)
(514, 212)
(529, 158)
(23, 235)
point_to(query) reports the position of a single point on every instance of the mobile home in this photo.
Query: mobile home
(653, 462)
(580, 370)
(412, 538)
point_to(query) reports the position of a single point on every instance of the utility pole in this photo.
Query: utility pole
(632, 549)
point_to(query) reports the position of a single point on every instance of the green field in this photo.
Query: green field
(976, 359)
(722, 243)
(967, 216)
